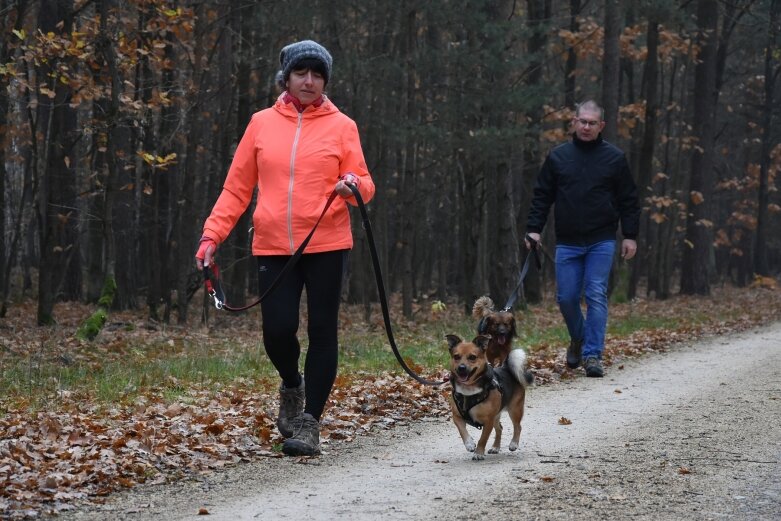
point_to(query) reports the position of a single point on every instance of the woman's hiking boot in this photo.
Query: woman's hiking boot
(305, 440)
(291, 406)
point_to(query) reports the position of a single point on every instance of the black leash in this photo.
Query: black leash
(524, 271)
(212, 280)
(381, 290)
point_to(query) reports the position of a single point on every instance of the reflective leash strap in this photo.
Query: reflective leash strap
(381, 291)
(213, 288)
(212, 283)
(524, 271)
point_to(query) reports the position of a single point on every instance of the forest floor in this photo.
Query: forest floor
(691, 433)
(63, 448)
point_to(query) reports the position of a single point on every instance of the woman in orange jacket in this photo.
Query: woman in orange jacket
(296, 152)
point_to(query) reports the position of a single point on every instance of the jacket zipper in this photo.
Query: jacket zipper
(290, 186)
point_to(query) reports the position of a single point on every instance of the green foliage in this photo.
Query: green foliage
(90, 328)
(107, 293)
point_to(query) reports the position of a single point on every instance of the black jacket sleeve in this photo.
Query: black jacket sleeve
(626, 197)
(543, 197)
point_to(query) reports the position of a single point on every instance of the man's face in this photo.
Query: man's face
(588, 124)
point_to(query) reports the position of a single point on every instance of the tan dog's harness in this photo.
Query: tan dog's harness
(464, 402)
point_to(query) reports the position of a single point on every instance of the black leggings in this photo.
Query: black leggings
(321, 274)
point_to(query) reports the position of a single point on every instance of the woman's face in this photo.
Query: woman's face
(306, 85)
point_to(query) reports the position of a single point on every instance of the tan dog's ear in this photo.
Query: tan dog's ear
(452, 341)
(481, 341)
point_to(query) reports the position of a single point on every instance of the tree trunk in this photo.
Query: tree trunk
(697, 250)
(570, 85)
(539, 13)
(8, 255)
(646, 162)
(761, 266)
(611, 69)
(57, 216)
(409, 174)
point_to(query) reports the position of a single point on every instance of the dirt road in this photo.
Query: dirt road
(694, 433)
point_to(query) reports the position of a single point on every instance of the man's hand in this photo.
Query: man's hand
(628, 249)
(534, 236)
(205, 254)
(341, 186)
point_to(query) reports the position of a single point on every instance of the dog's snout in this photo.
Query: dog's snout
(462, 369)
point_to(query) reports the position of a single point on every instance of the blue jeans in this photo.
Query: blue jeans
(584, 270)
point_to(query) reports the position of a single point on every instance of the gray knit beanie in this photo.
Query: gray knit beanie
(292, 54)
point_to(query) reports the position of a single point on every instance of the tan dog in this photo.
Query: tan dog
(500, 325)
(481, 392)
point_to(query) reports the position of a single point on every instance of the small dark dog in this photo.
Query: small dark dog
(500, 325)
(481, 392)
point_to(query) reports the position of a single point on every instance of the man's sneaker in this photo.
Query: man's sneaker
(291, 405)
(593, 366)
(305, 440)
(574, 353)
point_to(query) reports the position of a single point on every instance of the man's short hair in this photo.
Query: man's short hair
(590, 105)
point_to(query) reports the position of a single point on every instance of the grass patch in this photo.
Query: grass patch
(40, 383)
(627, 325)
(38, 365)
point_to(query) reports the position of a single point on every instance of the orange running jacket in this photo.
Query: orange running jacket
(295, 159)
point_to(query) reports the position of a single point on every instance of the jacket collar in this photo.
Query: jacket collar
(586, 144)
(289, 98)
(289, 106)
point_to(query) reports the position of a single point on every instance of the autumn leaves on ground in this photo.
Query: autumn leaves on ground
(152, 403)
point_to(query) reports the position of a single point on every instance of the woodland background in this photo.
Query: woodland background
(118, 120)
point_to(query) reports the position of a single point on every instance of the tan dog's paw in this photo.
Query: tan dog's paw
(478, 457)
(470, 445)
(513, 446)
(493, 450)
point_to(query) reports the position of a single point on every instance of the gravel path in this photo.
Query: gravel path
(694, 433)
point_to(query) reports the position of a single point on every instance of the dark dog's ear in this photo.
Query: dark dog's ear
(481, 341)
(482, 326)
(453, 341)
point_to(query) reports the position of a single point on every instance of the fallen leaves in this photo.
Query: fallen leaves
(48, 460)
(565, 421)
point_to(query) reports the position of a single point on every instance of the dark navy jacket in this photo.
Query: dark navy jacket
(591, 188)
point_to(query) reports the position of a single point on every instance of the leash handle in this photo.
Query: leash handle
(381, 290)
(212, 284)
(535, 245)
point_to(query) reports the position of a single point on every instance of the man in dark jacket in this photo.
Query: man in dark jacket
(588, 182)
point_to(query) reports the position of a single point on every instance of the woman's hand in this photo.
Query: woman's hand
(341, 186)
(205, 254)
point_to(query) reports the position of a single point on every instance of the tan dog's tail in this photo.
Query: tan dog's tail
(516, 362)
(482, 307)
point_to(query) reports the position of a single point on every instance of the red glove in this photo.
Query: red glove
(205, 254)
